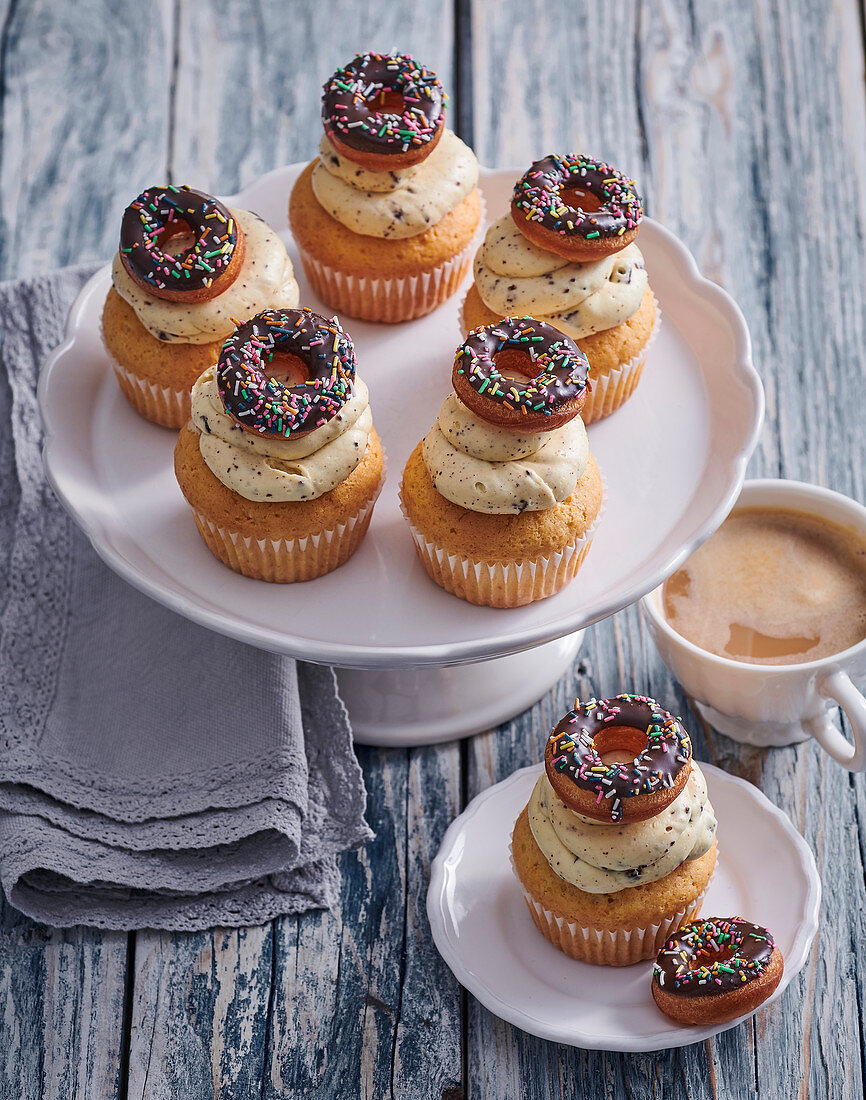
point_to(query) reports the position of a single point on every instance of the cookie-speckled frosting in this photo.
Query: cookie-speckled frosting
(265, 281)
(515, 278)
(486, 469)
(395, 204)
(269, 469)
(600, 858)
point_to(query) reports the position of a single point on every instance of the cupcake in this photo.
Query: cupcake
(386, 217)
(566, 254)
(187, 269)
(616, 847)
(502, 495)
(281, 474)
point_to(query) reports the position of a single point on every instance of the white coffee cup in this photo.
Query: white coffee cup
(775, 704)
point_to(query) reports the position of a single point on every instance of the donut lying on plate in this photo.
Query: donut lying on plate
(714, 969)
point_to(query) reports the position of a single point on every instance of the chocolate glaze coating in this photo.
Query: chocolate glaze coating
(713, 955)
(572, 749)
(350, 111)
(261, 403)
(155, 212)
(562, 367)
(538, 197)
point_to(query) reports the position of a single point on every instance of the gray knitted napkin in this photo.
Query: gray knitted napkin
(152, 773)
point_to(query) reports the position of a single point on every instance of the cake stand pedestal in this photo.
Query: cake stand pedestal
(423, 706)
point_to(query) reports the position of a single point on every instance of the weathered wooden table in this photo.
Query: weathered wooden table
(745, 124)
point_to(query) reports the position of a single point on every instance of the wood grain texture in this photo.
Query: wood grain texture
(61, 1010)
(71, 146)
(249, 77)
(85, 125)
(732, 118)
(377, 1008)
(199, 1013)
(739, 120)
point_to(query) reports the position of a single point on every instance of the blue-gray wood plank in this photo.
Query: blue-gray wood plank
(745, 124)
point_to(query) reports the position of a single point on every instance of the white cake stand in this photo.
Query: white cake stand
(419, 665)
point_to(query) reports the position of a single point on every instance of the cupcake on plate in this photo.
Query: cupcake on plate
(386, 217)
(566, 254)
(280, 461)
(502, 495)
(616, 847)
(187, 269)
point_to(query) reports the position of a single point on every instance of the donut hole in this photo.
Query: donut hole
(177, 237)
(620, 744)
(709, 955)
(288, 369)
(515, 363)
(387, 102)
(577, 199)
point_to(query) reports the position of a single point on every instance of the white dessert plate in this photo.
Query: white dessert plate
(674, 458)
(765, 873)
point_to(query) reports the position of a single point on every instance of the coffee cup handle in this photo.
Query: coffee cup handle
(838, 687)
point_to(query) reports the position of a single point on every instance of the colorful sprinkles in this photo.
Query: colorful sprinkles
(263, 404)
(561, 367)
(713, 955)
(574, 753)
(352, 103)
(158, 212)
(538, 196)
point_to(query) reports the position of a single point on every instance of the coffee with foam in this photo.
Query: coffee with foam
(773, 587)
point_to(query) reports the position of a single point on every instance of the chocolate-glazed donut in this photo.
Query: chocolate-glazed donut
(632, 791)
(266, 406)
(358, 120)
(556, 370)
(544, 217)
(198, 273)
(715, 969)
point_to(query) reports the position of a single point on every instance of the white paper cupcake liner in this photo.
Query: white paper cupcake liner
(503, 584)
(604, 947)
(159, 404)
(396, 299)
(612, 389)
(163, 405)
(600, 945)
(285, 561)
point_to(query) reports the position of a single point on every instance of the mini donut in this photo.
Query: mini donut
(626, 792)
(556, 375)
(365, 128)
(714, 969)
(261, 403)
(543, 216)
(208, 267)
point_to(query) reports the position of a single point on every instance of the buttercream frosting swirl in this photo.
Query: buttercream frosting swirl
(514, 277)
(266, 281)
(485, 469)
(600, 858)
(395, 204)
(266, 468)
